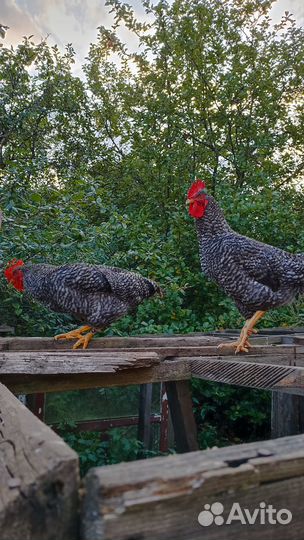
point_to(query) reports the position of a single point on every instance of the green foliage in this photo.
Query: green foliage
(96, 168)
(230, 415)
(95, 452)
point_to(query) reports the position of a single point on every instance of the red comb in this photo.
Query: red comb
(196, 186)
(12, 274)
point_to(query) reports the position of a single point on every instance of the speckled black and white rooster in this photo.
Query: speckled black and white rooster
(257, 276)
(93, 294)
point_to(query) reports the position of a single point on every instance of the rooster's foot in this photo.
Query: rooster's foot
(84, 341)
(74, 334)
(242, 344)
(235, 346)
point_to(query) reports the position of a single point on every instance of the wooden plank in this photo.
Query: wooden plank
(38, 343)
(138, 342)
(50, 363)
(39, 477)
(184, 425)
(164, 501)
(250, 374)
(30, 384)
(144, 417)
(56, 362)
(243, 371)
(256, 353)
(5, 329)
(287, 414)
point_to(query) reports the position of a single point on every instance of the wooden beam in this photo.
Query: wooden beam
(65, 363)
(142, 342)
(287, 414)
(32, 383)
(30, 372)
(144, 417)
(284, 354)
(166, 498)
(245, 372)
(42, 344)
(39, 477)
(184, 426)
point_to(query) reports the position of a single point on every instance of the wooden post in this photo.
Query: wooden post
(39, 477)
(287, 414)
(184, 426)
(144, 417)
(164, 423)
(36, 404)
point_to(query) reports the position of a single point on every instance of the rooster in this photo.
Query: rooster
(93, 294)
(257, 276)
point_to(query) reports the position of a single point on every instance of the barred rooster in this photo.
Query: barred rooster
(257, 276)
(93, 294)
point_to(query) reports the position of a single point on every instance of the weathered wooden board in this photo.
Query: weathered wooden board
(38, 477)
(182, 417)
(30, 384)
(242, 372)
(299, 340)
(146, 342)
(38, 343)
(285, 353)
(287, 414)
(165, 499)
(144, 418)
(71, 362)
(36, 371)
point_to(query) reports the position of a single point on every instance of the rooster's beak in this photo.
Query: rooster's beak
(189, 201)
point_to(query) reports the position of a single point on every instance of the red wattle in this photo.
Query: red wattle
(197, 208)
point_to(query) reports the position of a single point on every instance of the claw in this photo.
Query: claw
(77, 334)
(243, 345)
(83, 341)
(236, 346)
(69, 335)
(241, 348)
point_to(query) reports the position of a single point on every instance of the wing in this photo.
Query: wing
(87, 278)
(252, 293)
(244, 289)
(127, 286)
(265, 264)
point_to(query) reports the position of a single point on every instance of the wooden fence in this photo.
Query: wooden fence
(40, 491)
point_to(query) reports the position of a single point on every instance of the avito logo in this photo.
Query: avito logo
(212, 513)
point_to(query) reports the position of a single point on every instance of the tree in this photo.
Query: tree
(216, 89)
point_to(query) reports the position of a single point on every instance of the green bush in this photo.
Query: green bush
(96, 168)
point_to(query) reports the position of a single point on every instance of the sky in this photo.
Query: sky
(63, 21)
(76, 21)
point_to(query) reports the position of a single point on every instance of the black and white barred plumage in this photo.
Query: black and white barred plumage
(93, 294)
(256, 276)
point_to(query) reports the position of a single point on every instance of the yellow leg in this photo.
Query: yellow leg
(74, 334)
(84, 340)
(242, 344)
